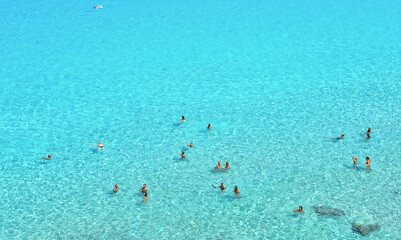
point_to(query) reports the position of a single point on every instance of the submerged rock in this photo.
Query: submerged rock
(363, 229)
(328, 211)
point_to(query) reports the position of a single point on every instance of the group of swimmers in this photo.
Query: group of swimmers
(355, 159)
(144, 190)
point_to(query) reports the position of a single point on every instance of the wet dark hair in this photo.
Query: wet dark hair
(49, 155)
(367, 158)
(301, 207)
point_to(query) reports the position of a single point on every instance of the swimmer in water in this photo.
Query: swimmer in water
(190, 145)
(98, 7)
(368, 161)
(337, 138)
(183, 119)
(368, 133)
(218, 167)
(116, 188)
(144, 189)
(236, 191)
(300, 209)
(209, 127)
(101, 145)
(227, 166)
(355, 160)
(182, 155)
(48, 157)
(222, 187)
(145, 199)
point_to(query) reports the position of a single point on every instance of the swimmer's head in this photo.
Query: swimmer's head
(356, 158)
(50, 155)
(227, 163)
(100, 142)
(183, 152)
(236, 188)
(301, 208)
(367, 158)
(144, 185)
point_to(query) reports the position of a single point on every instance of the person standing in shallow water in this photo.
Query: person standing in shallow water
(368, 133)
(182, 155)
(209, 127)
(355, 160)
(183, 119)
(236, 191)
(368, 161)
(116, 188)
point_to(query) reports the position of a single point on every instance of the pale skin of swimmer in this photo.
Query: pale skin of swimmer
(48, 157)
(101, 145)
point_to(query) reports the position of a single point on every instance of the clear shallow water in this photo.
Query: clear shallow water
(275, 79)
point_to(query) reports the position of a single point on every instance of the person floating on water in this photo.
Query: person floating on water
(144, 189)
(190, 145)
(227, 166)
(368, 161)
(355, 160)
(101, 145)
(145, 199)
(116, 188)
(236, 191)
(337, 138)
(368, 133)
(98, 7)
(300, 209)
(48, 157)
(209, 127)
(218, 167)
(182, 155)
(183, 119)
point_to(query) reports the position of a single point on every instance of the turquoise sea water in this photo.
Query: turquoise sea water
(274, 78)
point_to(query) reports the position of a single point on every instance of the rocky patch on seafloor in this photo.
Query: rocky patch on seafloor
(365, 229)
(328, 211)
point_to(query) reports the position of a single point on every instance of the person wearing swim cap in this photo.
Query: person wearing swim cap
(236, 191)
(116, 188)
(355, 160)
(300, 210)
(48, 157)
(144, 189)
(337, 138)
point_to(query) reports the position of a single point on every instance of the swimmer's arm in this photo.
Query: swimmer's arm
(107, 144)
(93, 144)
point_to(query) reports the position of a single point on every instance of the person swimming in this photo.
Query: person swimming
(101, 145)
(144, 189)
(146, 197)
(182, 155)
(337, 138)
(222, 187)
(48, 157)
(116, 188)
(98, 7)
(218, 167)
(368, 161)
(227, 166)
(209, 127)
(300, 209)
(368, 133)
(183, 119)
(355, 160)
(190, 145)
(236, 191)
